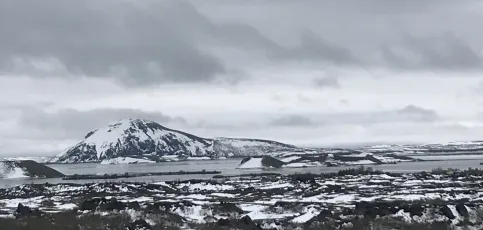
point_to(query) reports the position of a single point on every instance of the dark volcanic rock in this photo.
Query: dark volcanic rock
(447, 212)
(305, 177)
(139, 224)
(224, 222)
(415, 209)
(134, 205)
(246, 223)
(25, 211)
(106, 205)
(225, 207)
(268, 161)
(374, 209)
(462, 210)
(112, 204)
(90, 204)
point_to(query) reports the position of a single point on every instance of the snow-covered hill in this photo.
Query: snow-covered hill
(147, 140)
(135, 138)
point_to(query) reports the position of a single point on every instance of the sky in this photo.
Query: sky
(305, 72)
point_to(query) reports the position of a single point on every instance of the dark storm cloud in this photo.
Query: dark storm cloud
(327, 82)
(75, 124)
(147, 43)
(140, 42)
(292, 120)
(416, 113)
(445, 51)
(407, 114)
(313, 47)
(410, 113)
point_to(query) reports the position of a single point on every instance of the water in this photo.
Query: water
(227, 167)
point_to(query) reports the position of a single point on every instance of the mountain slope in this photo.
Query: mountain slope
(242, 147)
(28, 168)
(141, 139)
(135, 137)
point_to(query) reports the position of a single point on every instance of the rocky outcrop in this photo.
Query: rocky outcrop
(244, 223)
(25, 211)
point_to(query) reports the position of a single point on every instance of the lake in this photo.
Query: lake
(227, 167)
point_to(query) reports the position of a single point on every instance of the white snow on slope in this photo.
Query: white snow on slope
(8, 171)
(289, 159)
(198, 158)
(205, 187)
(241, 143)
(360, 162)
(309, 214)
(253, 163)
(303, 164)
(126, 160)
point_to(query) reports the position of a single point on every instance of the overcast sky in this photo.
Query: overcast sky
(307, 72)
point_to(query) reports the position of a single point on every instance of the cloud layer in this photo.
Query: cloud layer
(142, 43)
(305, 72)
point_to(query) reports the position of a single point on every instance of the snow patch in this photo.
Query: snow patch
(303, 164)
(198, 158)
(309, 214)
(126, 160)
(289, 159)
(253, 163)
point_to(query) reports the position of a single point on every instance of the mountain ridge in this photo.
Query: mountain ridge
(145, 139)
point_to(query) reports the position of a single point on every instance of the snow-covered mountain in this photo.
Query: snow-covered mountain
(135, 138)
(148, 140)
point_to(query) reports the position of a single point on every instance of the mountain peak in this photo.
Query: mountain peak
(127, 126)
(133, 123)
(135, 137)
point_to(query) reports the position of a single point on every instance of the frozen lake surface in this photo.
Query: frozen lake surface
(227, 167)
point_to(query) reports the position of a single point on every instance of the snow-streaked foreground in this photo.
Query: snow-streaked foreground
(275, 200)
